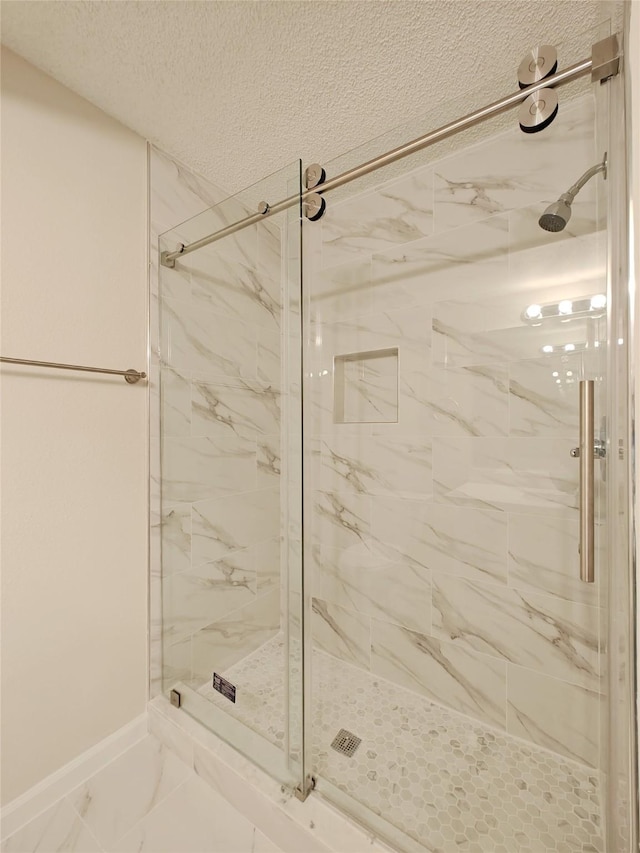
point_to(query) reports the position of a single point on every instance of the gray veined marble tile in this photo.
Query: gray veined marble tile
(175, 396)
(194, 469)
(269, 256)
(460, 263)
(243, 408)
(320, 395)
(544, 557)
(269, 460)
(235, 289)
(408, 329)
(174, 283)
(514, 170)
(558, 716)
(176, 192)
(240, 247)
(193, 819)
(471, 400)
(176, 660)
(558, 270)
(261, 844)
(267, 556)
(376, 465)
(360, 555)
(57, 829)
(542, 632)
(414, 412)
(270, 357)
(172, 735)
(397, 212)
(366, 387)
(543, 396)
(342, 633)
(368, 590)
(194, 338)
(528, 475)
(467, 333)
(232, 523)
(525, 232)
(223, 643)
(489, 327)
(458, 541)
(176, 538)
(461, 679)
(492, 331)
(460, 200)
(340, 519)
(339, 292)
(116, 798)
(398, 527)
(195, 598)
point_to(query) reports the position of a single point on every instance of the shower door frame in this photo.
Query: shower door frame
(623, 285)
(621, 492)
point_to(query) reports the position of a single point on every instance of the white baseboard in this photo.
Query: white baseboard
(43, 795)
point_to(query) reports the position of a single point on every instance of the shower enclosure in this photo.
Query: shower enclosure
(375, 520)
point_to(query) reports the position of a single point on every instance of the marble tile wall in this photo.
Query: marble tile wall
(215, 415)
(220, 449)
(175, 194)
(444, 545)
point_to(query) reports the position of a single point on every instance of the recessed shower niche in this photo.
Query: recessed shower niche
(365, 387)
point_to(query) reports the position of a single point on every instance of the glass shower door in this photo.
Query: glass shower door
(230, 589)
(459, 669)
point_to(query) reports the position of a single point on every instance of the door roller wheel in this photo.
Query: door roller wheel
(539, 63)
(538, 111)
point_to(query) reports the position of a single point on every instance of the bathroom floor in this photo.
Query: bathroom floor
(444, 779)
(147, 801)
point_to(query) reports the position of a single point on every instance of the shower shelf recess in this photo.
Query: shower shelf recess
(366, 387)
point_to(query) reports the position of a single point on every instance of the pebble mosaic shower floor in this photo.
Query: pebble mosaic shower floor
(448, 782)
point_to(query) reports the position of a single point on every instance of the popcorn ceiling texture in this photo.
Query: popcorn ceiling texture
(237, 90)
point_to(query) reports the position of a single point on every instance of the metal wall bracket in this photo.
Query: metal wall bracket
(605, 59)
(175, 698)
(167, 261)
(302, 792)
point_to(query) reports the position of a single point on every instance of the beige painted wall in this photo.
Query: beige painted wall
(73, 446)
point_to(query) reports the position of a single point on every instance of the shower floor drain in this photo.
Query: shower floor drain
(346, 742)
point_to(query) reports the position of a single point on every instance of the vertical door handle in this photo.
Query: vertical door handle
(586, 452)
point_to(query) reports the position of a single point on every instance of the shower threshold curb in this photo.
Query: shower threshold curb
(314, 826)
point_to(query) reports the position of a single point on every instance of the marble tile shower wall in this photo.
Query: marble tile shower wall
(444, 525)
(220, 377)
(175, 195)
(215, 591)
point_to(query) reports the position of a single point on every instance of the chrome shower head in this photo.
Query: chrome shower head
(557, 215)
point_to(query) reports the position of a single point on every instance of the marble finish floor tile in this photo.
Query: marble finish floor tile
(57, 829)
(444, 779)
(207, 824)
(185, 816)
(125, 791)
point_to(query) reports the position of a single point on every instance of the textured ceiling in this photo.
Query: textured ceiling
(239, 89)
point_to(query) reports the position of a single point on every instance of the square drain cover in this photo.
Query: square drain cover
(346, 742)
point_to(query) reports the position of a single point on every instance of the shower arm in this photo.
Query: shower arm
(573, 191)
